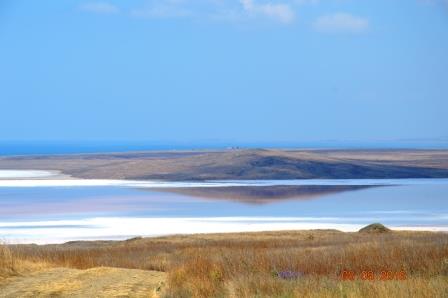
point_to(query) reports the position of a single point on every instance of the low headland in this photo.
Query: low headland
(241, 164)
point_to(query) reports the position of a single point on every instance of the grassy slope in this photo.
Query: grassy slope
(244, 164)
(246, 264)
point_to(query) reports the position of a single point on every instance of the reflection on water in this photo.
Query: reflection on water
(262, 194)
(56, 214)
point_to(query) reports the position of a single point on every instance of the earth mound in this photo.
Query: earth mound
(375, 228)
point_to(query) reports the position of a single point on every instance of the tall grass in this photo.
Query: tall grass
(13, 265)
(7, 262)
(248, 264)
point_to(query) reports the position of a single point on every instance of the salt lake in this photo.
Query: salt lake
(39, 207)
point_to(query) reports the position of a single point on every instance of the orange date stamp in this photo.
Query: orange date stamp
(369, 275)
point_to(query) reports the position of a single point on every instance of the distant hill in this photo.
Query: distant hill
(243, 164)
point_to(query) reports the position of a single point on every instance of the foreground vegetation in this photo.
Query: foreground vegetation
(12, 265)
(268, 264)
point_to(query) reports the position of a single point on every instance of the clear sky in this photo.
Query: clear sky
(228, 70)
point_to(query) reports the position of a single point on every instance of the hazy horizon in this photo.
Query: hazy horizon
(74, 147)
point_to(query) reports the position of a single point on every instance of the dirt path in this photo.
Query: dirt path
(95, 282)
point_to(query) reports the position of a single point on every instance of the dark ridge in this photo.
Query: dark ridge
(376, 228)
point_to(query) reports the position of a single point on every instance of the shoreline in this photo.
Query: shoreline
(53, 178)
(31, 174)
(117, 229)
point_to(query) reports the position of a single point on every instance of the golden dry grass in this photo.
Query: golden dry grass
(247, 264)
(7, 262)
(11, 265)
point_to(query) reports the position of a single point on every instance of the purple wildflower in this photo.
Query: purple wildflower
(289, 274)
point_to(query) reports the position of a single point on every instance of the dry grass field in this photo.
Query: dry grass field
(316, 263)
(11, 265)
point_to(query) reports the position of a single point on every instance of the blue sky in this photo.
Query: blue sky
(237, 71)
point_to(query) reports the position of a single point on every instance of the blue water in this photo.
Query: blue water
(43, 148)
(423, 206)
(419, 204)
(78, 147)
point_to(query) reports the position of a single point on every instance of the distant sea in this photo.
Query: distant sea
(50, 148)
(72, 147)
